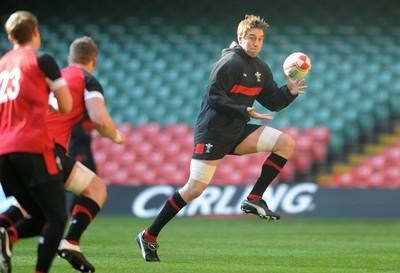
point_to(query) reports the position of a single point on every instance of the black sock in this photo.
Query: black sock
(173, 205)
(270, 169)
(82, 215)
(10, 216)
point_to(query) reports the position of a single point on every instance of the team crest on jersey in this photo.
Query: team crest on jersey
(208, 148)
(203, 148)
(258, 75)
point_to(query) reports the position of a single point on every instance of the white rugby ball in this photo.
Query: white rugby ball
(297, 65)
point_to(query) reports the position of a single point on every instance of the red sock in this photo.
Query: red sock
(254, 197)
(149, 238)
(12, 232)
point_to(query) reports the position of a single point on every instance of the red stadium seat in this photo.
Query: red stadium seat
(126, 159)
(137, 171)
(100, 143)
(223, 173)
(125, 128)
(376, 180)
(107, 171)
(100, 156)
(318, 134)
(302, 161)
(376, 162)
(177, 131)
(171, 149)
(362, 173)
(155, 159)
(114, 148)
(120, 177)
(294, 132)
(392, 156)
(251, 172)
(177, 178)
(149, 131)
(182, 160)
(161, 140)
(150, 177)
(288, 172)
(319, 151)
(392, 176)
(304, 144)
(143, 151)
(344, 180)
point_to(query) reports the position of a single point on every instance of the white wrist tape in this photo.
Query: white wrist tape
(117, 138)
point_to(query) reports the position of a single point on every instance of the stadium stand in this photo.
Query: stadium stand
(154, 64)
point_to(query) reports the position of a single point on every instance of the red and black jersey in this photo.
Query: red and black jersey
(26, 77)
(82, 86)
(236, 81)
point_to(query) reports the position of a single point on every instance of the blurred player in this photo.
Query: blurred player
(80, 148)
(236, 81)
(80, 143)
(29, 169)
(87, 95)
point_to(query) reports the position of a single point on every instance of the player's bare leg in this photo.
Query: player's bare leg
(85, 209)
(265, 139)
(201, 174)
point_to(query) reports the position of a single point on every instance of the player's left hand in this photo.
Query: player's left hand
(252, 113)
(296, 86)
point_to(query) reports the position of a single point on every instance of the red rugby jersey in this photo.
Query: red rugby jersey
(82, 86)
(25, 77)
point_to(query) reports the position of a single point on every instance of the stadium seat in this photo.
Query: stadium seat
(143, 151)
(302, 161)
(292, 131)
(345, 180)
(159, 81)
(177, 130)
(392, 177)
(362, 175)
(100, 157)
(377, 162)
(318, 134)
(288, 172)
(156, 158)
(126, 159)
(107, 171)
(126, 128)
(392, 156)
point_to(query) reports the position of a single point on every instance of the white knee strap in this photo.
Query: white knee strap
(201, 171)
(267, 139)
(79, 180)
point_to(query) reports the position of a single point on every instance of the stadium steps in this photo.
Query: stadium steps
(371, 151)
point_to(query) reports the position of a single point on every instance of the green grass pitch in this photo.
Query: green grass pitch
(231, 245)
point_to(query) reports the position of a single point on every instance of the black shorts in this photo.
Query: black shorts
(26, 177)
(67, 162)
(216, 148)
(82, 152)
(24, 171)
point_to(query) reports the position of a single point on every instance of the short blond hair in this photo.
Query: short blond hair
(249, 22)
(82, 50)
(20, 26)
